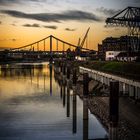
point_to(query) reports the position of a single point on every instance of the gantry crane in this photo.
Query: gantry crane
(130, 18)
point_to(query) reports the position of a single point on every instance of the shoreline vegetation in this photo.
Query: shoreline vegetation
(124, 69)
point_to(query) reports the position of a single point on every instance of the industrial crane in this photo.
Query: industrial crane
(80, 45)
(129, 17)
(83, 41)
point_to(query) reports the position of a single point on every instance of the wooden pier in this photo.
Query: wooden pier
(127, 87)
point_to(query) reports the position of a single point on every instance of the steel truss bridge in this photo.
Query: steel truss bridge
(48, 46)
(130, 18)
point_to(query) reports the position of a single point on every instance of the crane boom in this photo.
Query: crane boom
(83, 41)
(79, 42)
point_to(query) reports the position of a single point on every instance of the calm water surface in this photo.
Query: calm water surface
(33, 106)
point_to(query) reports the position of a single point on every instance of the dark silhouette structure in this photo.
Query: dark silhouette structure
(130, 18)
(39, 49)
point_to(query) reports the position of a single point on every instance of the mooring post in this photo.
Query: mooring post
(61, 67)
(85, 105)
(85, 84)
(68, 72)
(64, 69)
(114, 109)
(74, 77)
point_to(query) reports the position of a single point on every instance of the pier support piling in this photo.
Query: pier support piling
(74, 77)
(85, 84)
(64, 69)
(68, 72)
(114, 109)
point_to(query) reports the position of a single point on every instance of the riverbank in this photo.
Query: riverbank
(129, 113)
(124, 69)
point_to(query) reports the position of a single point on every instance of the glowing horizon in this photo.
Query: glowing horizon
(24, 22)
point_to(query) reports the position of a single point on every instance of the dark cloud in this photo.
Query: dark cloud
(40, 26)
(68, 29)
(137, 1)
(31, 25)
(7, 1)
(11, 2)
(54, 17)
(131, 1)
(108, 12)
(51, 27)
(0, 22)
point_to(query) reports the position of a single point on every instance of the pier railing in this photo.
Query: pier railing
(126, 86)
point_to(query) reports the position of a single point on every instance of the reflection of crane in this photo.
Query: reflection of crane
(81, 44)
(129, 17)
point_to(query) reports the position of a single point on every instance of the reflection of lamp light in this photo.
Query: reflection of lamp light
(71, 92)
(37, 80)
(31, 76)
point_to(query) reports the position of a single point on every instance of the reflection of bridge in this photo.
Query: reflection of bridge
(48, 46)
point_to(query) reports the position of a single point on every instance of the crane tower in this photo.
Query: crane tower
(130, 18)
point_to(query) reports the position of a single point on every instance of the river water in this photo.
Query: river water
(34, 106)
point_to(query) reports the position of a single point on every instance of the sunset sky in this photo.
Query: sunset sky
(26, 21)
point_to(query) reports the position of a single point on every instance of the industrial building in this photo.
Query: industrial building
(121, 44)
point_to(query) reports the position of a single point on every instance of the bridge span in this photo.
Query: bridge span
(50, 46)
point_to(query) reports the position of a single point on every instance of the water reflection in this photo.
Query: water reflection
(64, 95)
(85, 119)
(74, 113)
(68, 101)
(34, 105)
(113, 132)
(50, 68)
(61, 91)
